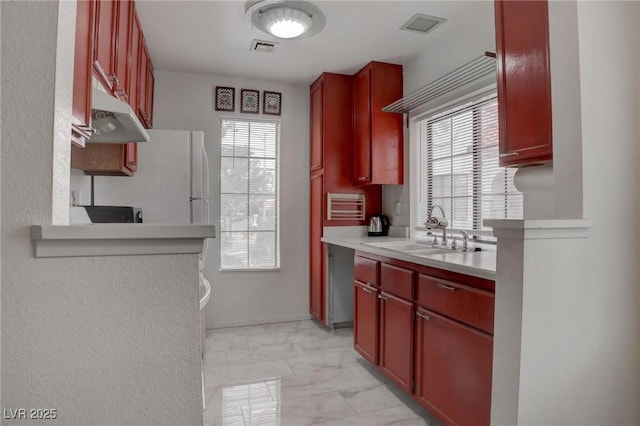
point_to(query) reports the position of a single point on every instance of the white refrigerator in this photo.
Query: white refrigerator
(171, 185)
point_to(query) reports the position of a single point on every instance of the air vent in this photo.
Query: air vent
(423, 24)
(263, 46)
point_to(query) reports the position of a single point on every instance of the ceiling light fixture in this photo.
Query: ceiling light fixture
(285, 19)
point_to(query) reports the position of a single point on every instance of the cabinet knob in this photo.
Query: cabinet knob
(362, 178)
(114, 79)
(366, 290)
(423, 316)
(446, 287)
(122, 94)
(382, 296)
(509, 154)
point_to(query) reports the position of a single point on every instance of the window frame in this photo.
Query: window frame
(433, 111)
(277, 226)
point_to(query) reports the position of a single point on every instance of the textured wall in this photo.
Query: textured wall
(103, 340)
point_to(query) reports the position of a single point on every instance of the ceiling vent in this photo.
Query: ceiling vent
(263, 46)
(423, 24)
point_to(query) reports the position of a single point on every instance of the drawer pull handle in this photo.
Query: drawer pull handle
(446, 287)
(366, 290)
(509, 154)
(423, 316)
(381, 296)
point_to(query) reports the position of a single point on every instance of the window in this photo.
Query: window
(458, 169)
(249, 227)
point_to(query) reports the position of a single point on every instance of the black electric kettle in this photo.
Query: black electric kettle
(378, 225)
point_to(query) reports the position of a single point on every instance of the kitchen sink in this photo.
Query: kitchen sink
(416, 248)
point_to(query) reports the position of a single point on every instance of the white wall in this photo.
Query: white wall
(104, 340)
(444, 52)
(578, 352)
(609, 69)
(185, 101)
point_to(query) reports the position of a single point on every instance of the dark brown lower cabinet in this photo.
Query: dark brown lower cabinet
(365, 321)
(430, 332)
(453, 369)
(396, 340)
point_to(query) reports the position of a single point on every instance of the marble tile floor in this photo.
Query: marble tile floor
(298, 374)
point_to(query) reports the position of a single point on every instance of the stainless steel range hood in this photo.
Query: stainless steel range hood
(114, 121)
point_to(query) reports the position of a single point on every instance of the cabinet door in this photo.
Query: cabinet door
(362, 126)
(123, 34)
(453, 369)
(150, 88)
(145, 85)
(316, 126)
(365, 321)
(130, 160)
(142, 82)
(134, 50)
(524, 86)
(316, 250)
(105, 41)
(396, 340)
(386, 127)
(81, 103)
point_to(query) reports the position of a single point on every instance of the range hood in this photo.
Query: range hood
(114, 121)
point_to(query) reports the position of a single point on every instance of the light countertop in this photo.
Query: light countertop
(480, 264)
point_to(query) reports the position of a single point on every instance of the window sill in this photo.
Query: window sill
(249, 270)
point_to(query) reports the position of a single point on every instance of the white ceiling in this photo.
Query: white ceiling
(212, 37)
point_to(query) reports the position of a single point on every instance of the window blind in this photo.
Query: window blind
(249, 226)
(459, 169)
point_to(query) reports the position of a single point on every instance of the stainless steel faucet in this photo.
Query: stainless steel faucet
(465, 240)
(445, 241)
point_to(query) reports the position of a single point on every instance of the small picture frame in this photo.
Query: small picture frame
(250, 101)
(225, 99)
(272, 103)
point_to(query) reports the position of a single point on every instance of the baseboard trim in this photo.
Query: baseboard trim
(269, 320)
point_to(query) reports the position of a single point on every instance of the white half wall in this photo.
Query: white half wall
(103, 340)
(609, 70)
(186, 102)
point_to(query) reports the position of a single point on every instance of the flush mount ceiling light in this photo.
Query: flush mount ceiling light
(285, 19)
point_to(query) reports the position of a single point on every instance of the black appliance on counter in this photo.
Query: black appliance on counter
(378, 225)
(114, 214)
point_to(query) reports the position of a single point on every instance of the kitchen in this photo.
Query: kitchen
(580, 353)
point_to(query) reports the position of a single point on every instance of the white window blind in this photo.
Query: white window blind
(249, 226)
(459, 167)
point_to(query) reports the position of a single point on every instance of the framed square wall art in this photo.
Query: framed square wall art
(272, 103)
(250, 101)
(225, 98)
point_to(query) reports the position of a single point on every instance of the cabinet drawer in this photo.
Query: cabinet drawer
(467, 304)
(396, 280)
(365, 270)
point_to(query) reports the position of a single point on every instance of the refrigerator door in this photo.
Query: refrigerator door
(200, 209)
(199, 190)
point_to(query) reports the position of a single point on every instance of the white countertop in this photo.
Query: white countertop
(118, 239)
(480, 264)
